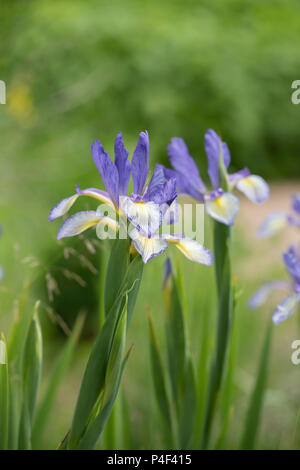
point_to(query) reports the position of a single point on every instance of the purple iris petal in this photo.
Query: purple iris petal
(226, 154)
(213, 148)
(291, 259)
(296, 203)
(107, 170)
(140, 163)
(183, 184)
(235, 177)
(261, 295)
(156, 183)
(184, 164)
(164, 194)
(122, 163)
(215, 193)
(293, 221)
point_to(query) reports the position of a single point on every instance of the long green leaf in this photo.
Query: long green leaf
(202, 370)
(116, 271)
(95, 373)
(94, 377)
(160, 381)
(16, 346)
(114, 371)
(257, 396)
(175, 336)
(222, 241)
(59, 370)
(4, 394)
(31, 380)
(188, 407)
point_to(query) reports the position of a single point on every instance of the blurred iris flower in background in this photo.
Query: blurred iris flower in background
(279, 220)
(287, 307)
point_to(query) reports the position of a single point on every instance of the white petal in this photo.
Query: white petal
(254, 187)
(261, 295)
(97, 194)
(145, 216)
(81, 221)
(62, 207)
(191, 249)
(224, 208)
(148, 248)
(273, 224)
(286, 308)
(65, 205)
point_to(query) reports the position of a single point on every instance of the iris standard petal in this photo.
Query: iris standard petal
(226, 154)
(191, 249)
(107, 170)
(62, 207)
(122, 163)
(273, 224)
(223, 208)
(184, 164)
(261, 295)
(213, 148)
(145, 216)
(286, 308)
(183, 185)
(156, 183)
(254, 187)
(81, 221)
(148, 248)
(140, 163)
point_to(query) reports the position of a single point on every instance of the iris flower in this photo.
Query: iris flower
(279, 220)
(219, 202)
(285, 309)
(146, 208)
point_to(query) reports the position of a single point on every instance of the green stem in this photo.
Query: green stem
(222, 242)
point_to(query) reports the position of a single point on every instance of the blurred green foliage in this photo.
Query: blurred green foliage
(93, 68)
